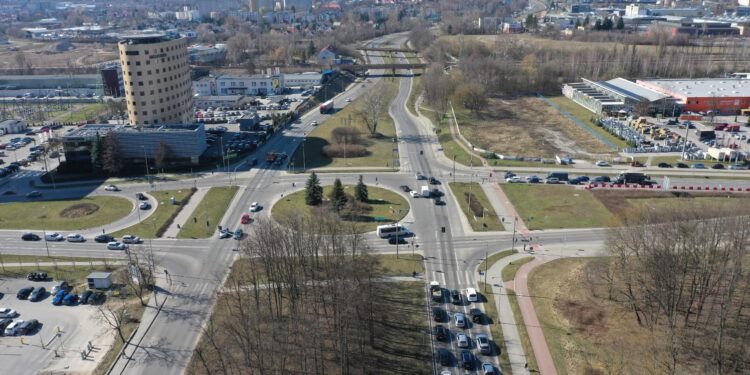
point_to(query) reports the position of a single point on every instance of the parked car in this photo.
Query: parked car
(27, 327)
(602, 163)
(75, 237)
(488, 369)
(58, 300)
(104, 238)
(30, 237)
(63, 285)
(456, 296)
(85, 296)
(23, 293)
(462, 340)
(238, 234)
(37, 294)
(115, 245)
(445, 357)
(36, 276)
(664, 165)
(476, 315)
(467, 360)
(441, 333)
(54, 236)
(483, 343)
(698, 166)
(437, 314)
(225, 233)
(4, 323)
(129, 238)
(33, 194)
(460, 320)
(111, 188)
(70, 299)
(7, 313)
(12, 328)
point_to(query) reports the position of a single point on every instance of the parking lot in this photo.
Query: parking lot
(57, 343)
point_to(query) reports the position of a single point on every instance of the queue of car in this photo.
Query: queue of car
(112, 243)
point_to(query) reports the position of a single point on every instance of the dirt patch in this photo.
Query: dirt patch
(621, 203)
(79, 210)
(528, 127)
(585, 316)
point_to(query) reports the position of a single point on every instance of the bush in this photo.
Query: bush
(350, 136)
(337, 151)
(490, 155)
(474, 205)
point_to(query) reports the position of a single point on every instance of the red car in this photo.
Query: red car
(246, 219)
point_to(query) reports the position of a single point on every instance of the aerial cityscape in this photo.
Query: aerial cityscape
(375, 187)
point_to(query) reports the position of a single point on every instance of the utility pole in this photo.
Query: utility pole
(513, 246)
(145, 158)
(486, 264)
(454, 169)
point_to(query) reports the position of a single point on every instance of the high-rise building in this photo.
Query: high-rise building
(156, 77)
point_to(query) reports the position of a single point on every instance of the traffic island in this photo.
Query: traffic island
(170, 203)
(382, 207)
(72, 214)
(475, 205)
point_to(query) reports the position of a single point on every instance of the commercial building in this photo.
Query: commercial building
(255, 84)
(611, 96)
(156, 76)
(206, 54)
(56, 84)
(217, 101)
(13, 127)
(186, 143)
(721, 95)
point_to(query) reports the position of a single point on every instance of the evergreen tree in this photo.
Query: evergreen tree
(96, 154)
(620, 23)
(578, 23)
(607, 24)
(311, 49)
(598, 25)
(586, 21)
(313, 191)
(360, 191)
(337, 196)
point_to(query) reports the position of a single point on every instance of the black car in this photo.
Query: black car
(439, 202)
(104, 238)
(584, 178)
(574, 181)
(30, 237)
(602, 179)
(86, 296)
(438, 314)
(441, 333)
(396, 240)
(36, 276)
(456, 296)
(467, 359)
(405, 188)
(664, 165)
(434, 181)
(23, 293)
(27, 326)
(717, 166)
(476, 315)
(682, 165)
(4, 323)
(37, 294)
(98, 298)
(141, 197)
(445, 357)
(508, 175)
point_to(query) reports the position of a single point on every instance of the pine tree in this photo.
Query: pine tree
(360, 191)
(337, 196)
(96, 154)
(620, 23)
(313, 191)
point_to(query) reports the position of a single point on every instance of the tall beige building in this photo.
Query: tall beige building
(156, 76)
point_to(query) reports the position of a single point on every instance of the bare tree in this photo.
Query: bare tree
(114, 318)
(161, 154)
(373, 104)
(140, 273)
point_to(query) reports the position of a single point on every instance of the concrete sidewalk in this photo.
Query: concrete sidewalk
(186, 213)
(506, 318)
(503, 207)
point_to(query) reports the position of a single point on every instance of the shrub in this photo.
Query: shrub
(350, 136)
(337, 151)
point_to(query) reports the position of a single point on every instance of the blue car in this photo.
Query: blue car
(238, 234)
(58, 300)
(70, 299)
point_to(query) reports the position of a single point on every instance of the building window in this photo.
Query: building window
(138, 74)
(140, 83)
(145, 122)
(132, 53)
(145, 52)
(138, 63)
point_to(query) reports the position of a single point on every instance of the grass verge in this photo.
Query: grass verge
(211, 209)
(476, 206)
(88, 112)
(509, 271)
(159, 221)
(584, 115)
(404, 265)
(528, 350)
(89, 212)
(550, 206)
(496, 327)
(490, 261)
(386, 207)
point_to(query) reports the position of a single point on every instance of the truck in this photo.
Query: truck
(633, 178)
(327, 107)
(425, 191)
(705, 134)
(271, 157)
(436, 291)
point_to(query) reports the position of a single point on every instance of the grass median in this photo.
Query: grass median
(509, 271)
(496, 327)
(73, 214)
(211, 209)
(557, 206)
(155, 225)
(385, 207)
(476, 206)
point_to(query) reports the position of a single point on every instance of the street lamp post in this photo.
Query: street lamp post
(304, 161)
(145, 159)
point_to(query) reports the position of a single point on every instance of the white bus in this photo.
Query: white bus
(392, 230)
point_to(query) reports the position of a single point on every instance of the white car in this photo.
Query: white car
(513, 179)
(602, 163)
(348, 100)
(12, 328)
(460, 320)
(314, 123)
(462, 340)
(144, 206)
(472, 295)
(75, 237)
(129, 238)
(7, 313)
(53, 237)
(111, 188)
(414, 194)
(254, 207)
(114, 245)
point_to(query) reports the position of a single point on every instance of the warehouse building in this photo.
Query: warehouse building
(186, 143)
(720, 95)
(604, 97)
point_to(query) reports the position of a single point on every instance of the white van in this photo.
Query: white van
(472, 295)
(425, 191)
(392, 230)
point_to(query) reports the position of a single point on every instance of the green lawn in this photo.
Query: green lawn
(89, 112)
(584, 115)
(379, 146)
(404, 265)
(487, 263)
(387, 206)
(157, 223)
(528, 350)
(557, 206)
(509, 272)
(490, 222)
(666, 202)
(490, 309)
(89, 212)
(212, 209)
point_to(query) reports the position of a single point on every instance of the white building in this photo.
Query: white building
(257, 84)
(304, 80)
(187, 14)
(744, 3)
(99, 280)
(13, 127)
